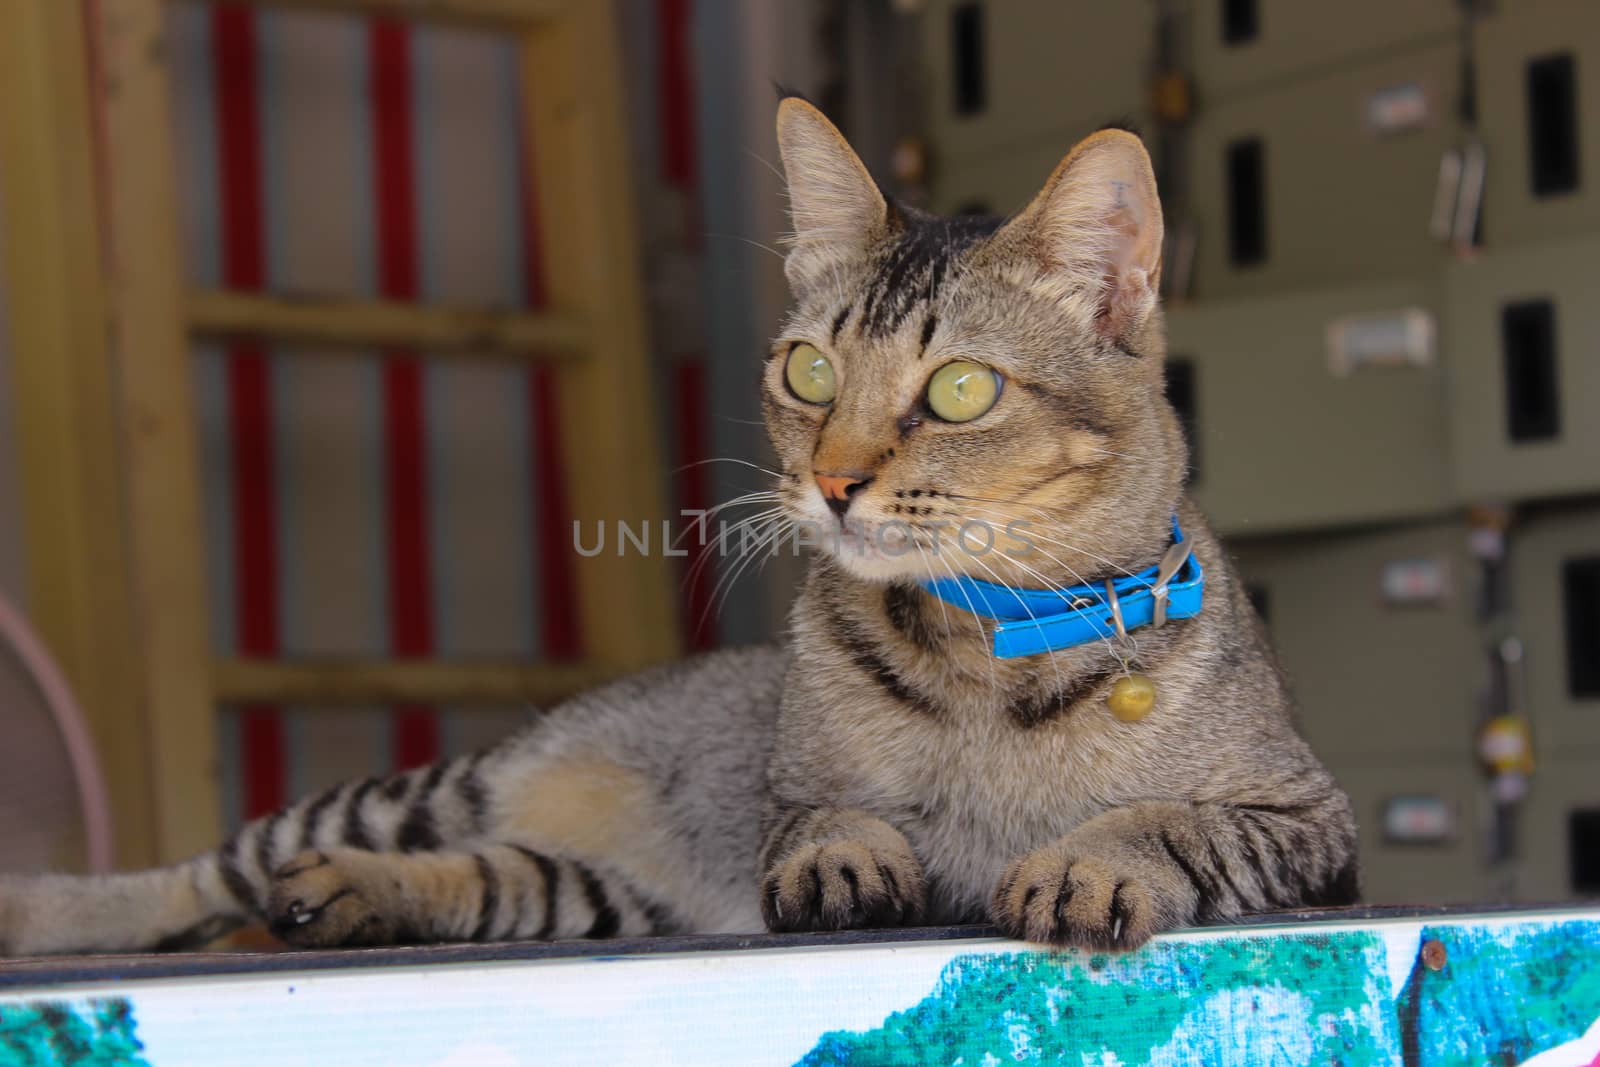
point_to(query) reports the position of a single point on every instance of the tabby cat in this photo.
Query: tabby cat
(885, 766)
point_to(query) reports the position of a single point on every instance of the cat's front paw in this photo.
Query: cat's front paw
(1058, 896)
(843, 885)
(318, 900)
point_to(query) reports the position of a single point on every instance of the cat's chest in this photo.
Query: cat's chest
(977, 796)
(976, 762)
(976, 783)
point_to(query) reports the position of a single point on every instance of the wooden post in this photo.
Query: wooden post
(581, 174)
(78, 567)
(151, 353)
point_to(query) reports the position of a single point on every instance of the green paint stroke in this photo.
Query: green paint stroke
(1503, 994)
(1288, 999)
(48, 1033)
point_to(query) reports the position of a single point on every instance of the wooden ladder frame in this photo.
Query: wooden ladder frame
(102, 319)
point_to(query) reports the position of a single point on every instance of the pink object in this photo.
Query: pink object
(52, 686)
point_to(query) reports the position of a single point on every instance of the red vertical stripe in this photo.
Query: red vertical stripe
(249, 398)
(416, 728)
(239, 147)
(560, 635)
(395, 172)
(675, 91)
(675, 65)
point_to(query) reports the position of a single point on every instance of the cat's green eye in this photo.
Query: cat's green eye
(961, 391)
(810, 375)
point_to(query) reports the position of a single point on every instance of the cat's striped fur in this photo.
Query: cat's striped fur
(582, 825)
(883, 767)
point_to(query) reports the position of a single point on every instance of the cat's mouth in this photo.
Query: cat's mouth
(887, 549)
(875, 540)
(876, 550)
(874, 547)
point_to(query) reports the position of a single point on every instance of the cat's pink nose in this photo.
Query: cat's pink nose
(837, 489)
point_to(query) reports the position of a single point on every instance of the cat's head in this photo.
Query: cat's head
(941, 372)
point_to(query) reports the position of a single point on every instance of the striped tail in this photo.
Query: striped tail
(188, 905)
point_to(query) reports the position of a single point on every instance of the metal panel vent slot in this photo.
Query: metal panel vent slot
(1532, 391)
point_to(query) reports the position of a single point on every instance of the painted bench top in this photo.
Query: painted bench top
(1368, 986)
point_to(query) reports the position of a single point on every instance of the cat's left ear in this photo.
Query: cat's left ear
(1095, 230)
(836, 206)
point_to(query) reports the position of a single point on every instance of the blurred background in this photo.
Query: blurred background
(318, 331)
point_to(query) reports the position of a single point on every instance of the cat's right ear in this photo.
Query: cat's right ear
(836, 206)
(1094, 233)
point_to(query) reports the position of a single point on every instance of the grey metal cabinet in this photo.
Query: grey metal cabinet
(1523, 337)
(1562, 786)
(1539, 98)
(1451, 872)
(1335, 200)
(1549, 598)
(1255, 46)
(1376, 681)
(1045, 71)
(1284, 442)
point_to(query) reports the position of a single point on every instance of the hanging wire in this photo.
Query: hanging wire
(52, 686)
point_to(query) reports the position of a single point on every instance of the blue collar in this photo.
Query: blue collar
(1044, 620)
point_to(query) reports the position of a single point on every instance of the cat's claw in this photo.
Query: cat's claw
(1066, 901)
(842, 885)
(315, 903)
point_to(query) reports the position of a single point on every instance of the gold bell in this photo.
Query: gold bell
(1131, 697)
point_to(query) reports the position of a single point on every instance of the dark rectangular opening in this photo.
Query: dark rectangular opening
(1247, 207)
(1580, 593)
(1181, 395)
(1239, 23)
(1583, 850)
(1553, 124)
(966, 54)
(1533, 399)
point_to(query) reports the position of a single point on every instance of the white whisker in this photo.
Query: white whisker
(726, 581)
(1057, 587)
(727, 459)
(1032, 533)
(1105, 639)
(746, 240)
(977, 620)
(771, 535)
(722, 539)
(928, 567)
(1054, 666)
(764, 496)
